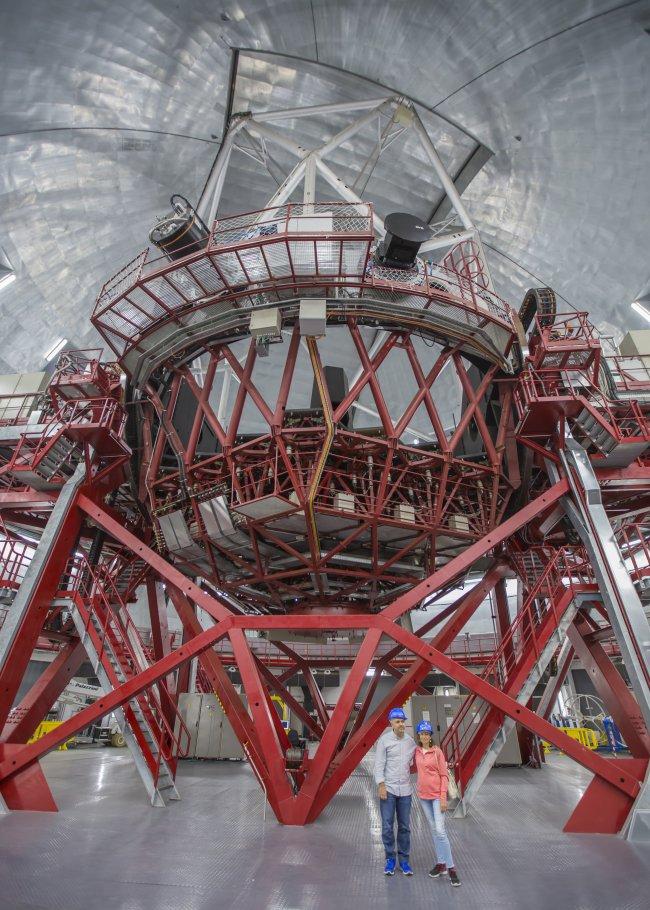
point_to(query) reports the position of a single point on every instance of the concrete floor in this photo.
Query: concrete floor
(107, 848)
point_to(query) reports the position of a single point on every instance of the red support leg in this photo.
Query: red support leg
(336, 727)
(27, 790)
(610, 686)
(26, 716)
(21, 757)
(231, 703)
(40, 596)
(266, 735)
(618, 781)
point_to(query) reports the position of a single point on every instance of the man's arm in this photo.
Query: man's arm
(380, 768)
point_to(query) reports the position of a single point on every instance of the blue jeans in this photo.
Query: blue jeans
(436, 818)
(400, 805)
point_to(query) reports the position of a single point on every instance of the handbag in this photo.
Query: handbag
(452, 787)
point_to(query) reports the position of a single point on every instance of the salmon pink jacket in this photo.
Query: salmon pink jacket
(433, 776)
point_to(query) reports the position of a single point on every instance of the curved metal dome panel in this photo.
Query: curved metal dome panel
(107, 109)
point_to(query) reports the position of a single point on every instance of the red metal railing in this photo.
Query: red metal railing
(630, 374)
(564, 571)
(97, 598)
(466, 260)
(81, 374)
(15, 557)
(292, 247)
(624, 420)
(17, 408)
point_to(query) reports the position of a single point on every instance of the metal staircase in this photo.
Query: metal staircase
(44, 460)
(478, 732)
(129, 577)
(618, 451)
(154, 731)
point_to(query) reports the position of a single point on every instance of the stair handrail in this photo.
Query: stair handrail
(89, 585)
(138, 657)
(533, 619)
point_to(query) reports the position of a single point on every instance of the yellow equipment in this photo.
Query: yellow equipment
(46, 726)
(584, 735)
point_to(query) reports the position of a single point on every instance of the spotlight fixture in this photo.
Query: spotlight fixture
(7, 279)
(56, 348)
(641, 310)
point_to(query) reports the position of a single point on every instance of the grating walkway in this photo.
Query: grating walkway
(108, 849)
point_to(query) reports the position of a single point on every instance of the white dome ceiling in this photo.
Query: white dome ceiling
(108, 108)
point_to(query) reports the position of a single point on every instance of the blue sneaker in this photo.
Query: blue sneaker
(389, 868)
(404, 866)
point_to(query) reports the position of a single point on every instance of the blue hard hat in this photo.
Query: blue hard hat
(396, 714)
(424, 727)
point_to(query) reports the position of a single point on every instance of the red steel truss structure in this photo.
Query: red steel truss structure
(274, 513)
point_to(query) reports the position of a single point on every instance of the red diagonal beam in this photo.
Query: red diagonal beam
(109, 702)
(363, 737)
(314, 691)
(211, 605)
(20, 650)
(286, 696)
(334, 731)
(265, 730)
(562, 671)
(468, 557)
(615, 776)
(221, 683)
(611, 687)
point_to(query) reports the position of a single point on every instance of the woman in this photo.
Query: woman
(433, 779)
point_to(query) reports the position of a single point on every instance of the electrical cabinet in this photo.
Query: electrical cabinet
(211, 735)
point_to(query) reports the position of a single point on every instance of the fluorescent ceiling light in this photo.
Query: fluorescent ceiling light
(641, 310)
(54, 350)
(7, 279)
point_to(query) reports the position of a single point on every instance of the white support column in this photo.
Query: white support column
(309, 188)
(443, 176)
(451, 191)
(209, 201)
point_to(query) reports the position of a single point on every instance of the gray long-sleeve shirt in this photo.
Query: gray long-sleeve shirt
(392, 762)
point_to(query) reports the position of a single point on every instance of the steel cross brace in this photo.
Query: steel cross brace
(618, 778)
(28, 754)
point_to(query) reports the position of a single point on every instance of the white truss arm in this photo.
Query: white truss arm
(437, 243)
(345, 192)
(443, 176)
(287, 187)
(261, 130)
(452, 192)
(292, 113)
(354, 127)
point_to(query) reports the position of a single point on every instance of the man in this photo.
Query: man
(395, 750)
